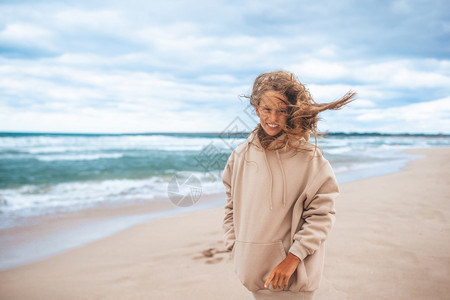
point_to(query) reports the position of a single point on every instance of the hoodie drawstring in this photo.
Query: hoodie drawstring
(271, 179)
(284, 178)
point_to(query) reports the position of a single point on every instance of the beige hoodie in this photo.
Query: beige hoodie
(278, 202)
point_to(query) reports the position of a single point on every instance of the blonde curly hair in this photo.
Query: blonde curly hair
(303, 111)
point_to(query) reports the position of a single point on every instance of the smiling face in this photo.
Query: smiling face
(272, 112)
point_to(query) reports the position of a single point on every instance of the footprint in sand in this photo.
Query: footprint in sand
(211, 252)
(214, 260)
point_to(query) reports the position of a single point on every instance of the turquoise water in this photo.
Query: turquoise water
(44, 174)
(41, 173)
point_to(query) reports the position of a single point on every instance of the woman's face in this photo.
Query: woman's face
(272, 112)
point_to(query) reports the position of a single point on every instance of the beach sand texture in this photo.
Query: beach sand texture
(391, 240)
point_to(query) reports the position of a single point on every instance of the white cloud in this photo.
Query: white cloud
(402, 73)
(107, 21)
(126, 100)
(362, 103)
(401, 6)
(29, 35)
(321, 69)
(429, 117)
(143, 61)
(328, 92)
(23, 32)
(407, 74)
(128, 118)
(417, 112)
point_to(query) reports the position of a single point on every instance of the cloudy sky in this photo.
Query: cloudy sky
(170, 66)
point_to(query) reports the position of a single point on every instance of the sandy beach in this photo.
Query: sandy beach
(391, 241)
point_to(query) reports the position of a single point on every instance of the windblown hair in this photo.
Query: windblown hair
(303, 111)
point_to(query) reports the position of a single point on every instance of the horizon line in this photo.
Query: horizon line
(217, 133)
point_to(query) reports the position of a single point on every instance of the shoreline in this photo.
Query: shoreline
(51, 234)
(45, 236)
(391, 230)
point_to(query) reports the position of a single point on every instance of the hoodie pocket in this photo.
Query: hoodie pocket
(299, 280)
(253, 262)
(309, 272)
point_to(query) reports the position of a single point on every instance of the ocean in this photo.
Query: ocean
(43, 173)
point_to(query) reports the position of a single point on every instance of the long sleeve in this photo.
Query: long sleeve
(318, 213)
(228, 222)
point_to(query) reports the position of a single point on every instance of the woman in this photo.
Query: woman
(280, 193)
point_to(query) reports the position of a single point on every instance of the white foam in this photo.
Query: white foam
(338, 150)
(78, 156)
(76, 195)
(62, 144)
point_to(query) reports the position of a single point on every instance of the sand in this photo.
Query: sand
(391, 241)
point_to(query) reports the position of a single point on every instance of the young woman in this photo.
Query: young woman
(280, 193)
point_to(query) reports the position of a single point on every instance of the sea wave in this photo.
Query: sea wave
(78, 156)
(63, 144)
(35, 199)
(39, 173)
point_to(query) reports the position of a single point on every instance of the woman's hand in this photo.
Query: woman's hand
(281, 274)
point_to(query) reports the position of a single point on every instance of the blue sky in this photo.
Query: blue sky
(168, 66)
